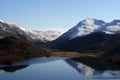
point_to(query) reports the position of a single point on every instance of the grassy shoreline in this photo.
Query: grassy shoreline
(11, 59)
(74, 54)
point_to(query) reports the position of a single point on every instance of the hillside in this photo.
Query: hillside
(13, 49)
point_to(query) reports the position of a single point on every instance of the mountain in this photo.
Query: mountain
(46, 36)
(90, 35)
(83, 28)
(97, 42)
(36, 37)
(112, 27)
(90, 25)
(13, 49)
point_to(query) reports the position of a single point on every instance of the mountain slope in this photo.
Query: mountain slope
(7, 29)
(16, 49)
(100, 39)
(97, 42)
(112, 27)
(45, 36)
(89, 26)
(83, 28)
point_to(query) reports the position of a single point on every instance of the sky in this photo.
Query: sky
(56, 14)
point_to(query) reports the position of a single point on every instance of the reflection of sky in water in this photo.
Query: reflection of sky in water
(58, 70)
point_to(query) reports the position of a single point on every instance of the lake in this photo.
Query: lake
(54, 68)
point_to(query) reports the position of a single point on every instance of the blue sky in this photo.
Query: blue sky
(56, 14)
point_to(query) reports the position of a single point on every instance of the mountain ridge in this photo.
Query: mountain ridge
(89, 26)
(102, 39)
(8, 29)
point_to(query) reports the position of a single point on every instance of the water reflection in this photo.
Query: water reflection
(54, 70)
(58, 69)
(26, 63)
(94, 70)
(12, 68)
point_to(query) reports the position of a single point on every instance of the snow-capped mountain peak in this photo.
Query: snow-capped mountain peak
(112, 27)
(8, 29)
(90, 25)
(91, 21)
(84, 27)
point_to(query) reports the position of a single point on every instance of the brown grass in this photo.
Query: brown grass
(74, 54)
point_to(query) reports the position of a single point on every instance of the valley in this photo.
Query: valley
(59, 40)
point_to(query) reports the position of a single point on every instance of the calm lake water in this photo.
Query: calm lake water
(54, 68)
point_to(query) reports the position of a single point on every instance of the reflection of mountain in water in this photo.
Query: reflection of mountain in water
(12, 68)
(93, 68)
(26, 63)
(92, 72)
(97, 63)
(82, 68)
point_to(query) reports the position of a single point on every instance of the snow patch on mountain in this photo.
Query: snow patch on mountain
(9, 29)
(90, 25)
(112, 27)
(46, 35)
(52, 34)
(85, 27)
(1, 21)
